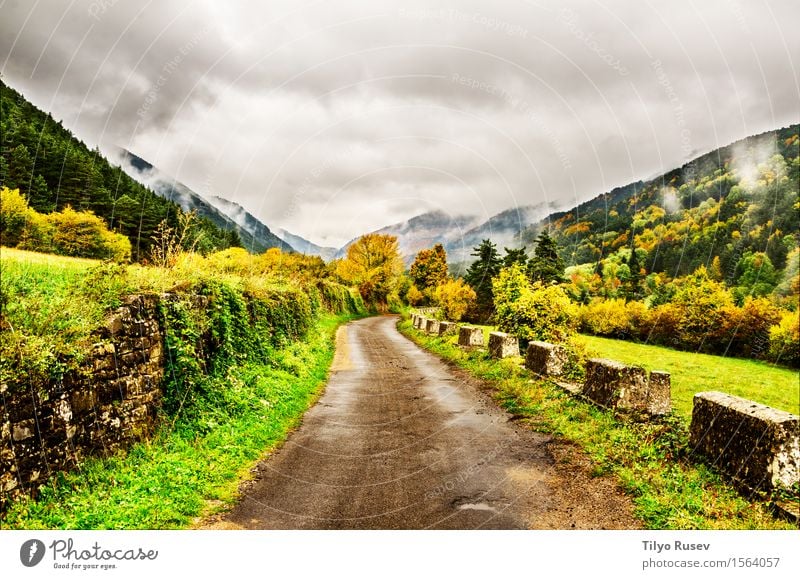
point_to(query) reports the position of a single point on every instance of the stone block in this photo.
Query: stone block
(470, 336)
(432, 327)
(619, 387)
(755, 445)
(448, 328)
(660, 392)
(545, 359)
(421, 322)
(23, 430)
(502, 345)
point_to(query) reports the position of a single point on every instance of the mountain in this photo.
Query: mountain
(53, 170)
(424, 231)
(503, 229)
(460, 234)
(255, 236)
(304, 246)
(738, 200)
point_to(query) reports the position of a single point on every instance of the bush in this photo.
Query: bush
(704, 304)
(606, 318)
(784, 340)
(14, 216)
(746, 329)
(454, 297)
(532, 311)
(414, 297)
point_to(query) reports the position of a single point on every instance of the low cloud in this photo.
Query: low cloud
(334, 120)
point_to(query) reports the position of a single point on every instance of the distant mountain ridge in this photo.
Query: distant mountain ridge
(255, 236)
(424, 231)
(304, 246)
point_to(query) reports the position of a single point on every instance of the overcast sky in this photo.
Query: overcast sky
(335, 118)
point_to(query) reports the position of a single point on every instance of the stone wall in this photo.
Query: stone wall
(757, 446)
(109, 403)
(432, 327)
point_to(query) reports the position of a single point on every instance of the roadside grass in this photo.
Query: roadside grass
(183, 473)
(650, 460)
(691, 373)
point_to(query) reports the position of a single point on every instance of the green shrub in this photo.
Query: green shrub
(532, 311)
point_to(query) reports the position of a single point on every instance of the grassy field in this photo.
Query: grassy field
(650, 460)
(755, 380)
(691, 373)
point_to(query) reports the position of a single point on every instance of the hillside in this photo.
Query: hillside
(254, 235)
(737, 200)
(424, 231)
(305, 246)
(53, 170)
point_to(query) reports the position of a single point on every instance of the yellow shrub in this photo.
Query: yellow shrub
(784, 340)
(606, 318)
(14, 216)
(454, 297)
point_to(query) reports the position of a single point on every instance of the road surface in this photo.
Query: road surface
(400, 440)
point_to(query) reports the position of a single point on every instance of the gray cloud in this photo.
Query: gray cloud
(334, 119)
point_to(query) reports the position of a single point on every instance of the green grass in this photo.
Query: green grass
(254, 387)
(691, 373)
(650, 460)
(182, 474)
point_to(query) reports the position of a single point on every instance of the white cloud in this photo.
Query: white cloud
(333, 119)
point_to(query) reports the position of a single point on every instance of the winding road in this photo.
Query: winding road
(400, 440)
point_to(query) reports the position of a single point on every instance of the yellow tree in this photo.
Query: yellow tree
(373, 264)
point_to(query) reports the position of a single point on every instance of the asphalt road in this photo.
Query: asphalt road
(399, 440)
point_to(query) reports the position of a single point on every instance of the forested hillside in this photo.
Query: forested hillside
(718, 211)
(52, 170)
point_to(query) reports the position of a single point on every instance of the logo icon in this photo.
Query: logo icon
(31, 553)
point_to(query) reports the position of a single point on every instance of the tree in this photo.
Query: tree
(546, 265)
(480, 273)
(20, 170)
(14, 216)
(532, 311)
(429, 268)
(373, 264)
(513, 256)
(755, 275)
(635, 277)
(454, 297)
(39, 196)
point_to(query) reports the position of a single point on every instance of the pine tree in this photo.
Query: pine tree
(20, 170)
(39, 196)
(634, 291)
(546, 265)
(518, 256)
(480, 273)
